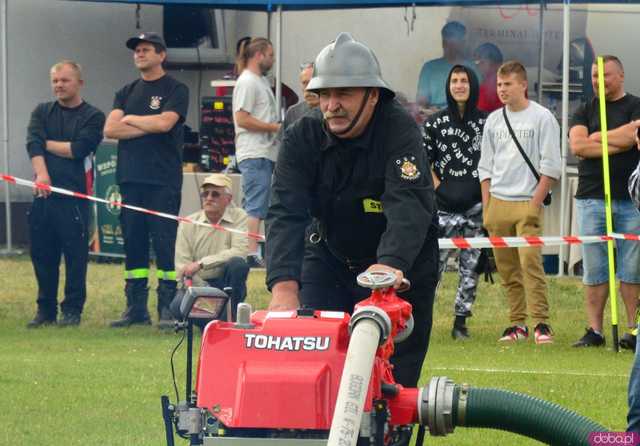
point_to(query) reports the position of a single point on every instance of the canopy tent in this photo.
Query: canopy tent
(278, 6)
(270, 5)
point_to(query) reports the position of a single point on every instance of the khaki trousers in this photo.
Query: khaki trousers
(520, 268)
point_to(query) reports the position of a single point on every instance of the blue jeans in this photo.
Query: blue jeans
(256, 185)
(591, 221)
(234, 275)
(633, 417)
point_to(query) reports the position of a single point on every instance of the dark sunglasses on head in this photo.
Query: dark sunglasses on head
(212, 193)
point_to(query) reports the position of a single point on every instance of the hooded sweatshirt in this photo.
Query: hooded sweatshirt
(453, 145)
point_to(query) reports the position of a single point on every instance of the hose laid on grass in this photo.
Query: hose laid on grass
(523, 414)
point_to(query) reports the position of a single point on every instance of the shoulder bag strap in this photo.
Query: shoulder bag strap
(524, 155)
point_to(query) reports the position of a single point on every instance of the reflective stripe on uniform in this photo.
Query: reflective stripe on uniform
(166, 275)
(139, 273)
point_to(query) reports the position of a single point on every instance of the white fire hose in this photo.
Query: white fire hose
(370, 327)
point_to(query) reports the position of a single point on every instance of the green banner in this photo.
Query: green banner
(110, 241)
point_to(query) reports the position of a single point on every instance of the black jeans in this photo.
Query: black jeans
(60, 226)
(138, 227)
(235, 275)
(328, 284)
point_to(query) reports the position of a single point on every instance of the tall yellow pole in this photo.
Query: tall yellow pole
(613, 298)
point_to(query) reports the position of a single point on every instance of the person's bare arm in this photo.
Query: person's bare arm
(284, 296)
(160, 123)
(116, 129)
(584, 147)
(60, 148)
(42, 175)
(623, 136)
(246, 121)
(485, 186)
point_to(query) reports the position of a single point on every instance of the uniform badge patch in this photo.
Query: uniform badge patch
(408, 169)
(371, 205)
(155, 102)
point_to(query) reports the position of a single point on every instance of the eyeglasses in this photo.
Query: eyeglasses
(213, 193)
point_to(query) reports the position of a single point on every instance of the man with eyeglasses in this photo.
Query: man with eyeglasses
(215, 257)
(311, 99)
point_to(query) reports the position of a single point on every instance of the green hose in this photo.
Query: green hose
(522, 414)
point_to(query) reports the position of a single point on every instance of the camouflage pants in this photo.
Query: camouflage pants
(468, 224)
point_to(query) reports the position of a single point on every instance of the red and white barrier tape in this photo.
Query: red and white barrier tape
(518, 242)
(444, 243)
(626, 236)
(59, 190)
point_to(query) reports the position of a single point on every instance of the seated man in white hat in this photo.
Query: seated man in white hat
(215, 257)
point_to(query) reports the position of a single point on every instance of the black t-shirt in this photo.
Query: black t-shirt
(590, 179)
(155, 158)
(81, 126)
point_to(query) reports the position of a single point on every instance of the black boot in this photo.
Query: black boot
(137, 294)
(166, 292)
(42, 318)
(460, 330)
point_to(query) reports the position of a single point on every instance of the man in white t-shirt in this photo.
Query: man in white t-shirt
(256, 120)
(512, 196)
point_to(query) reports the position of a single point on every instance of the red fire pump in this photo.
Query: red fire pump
(321, 378)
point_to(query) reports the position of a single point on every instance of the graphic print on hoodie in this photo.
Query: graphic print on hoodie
(453, 145)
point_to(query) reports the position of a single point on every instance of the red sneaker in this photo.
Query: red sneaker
(515, 334)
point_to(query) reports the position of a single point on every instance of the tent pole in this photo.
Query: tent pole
(565, 202)
(540, 52)
(5, 124)
(279, 63)
(269, 24)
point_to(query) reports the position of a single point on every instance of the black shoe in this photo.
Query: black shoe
(460, 332)
(69, 320)
(628, 341)
(590, 339)
(129, 318)
(41, 320)
(255, 261)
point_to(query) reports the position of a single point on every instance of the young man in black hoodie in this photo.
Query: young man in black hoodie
(452, 140)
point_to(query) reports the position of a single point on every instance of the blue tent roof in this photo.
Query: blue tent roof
(269, 5)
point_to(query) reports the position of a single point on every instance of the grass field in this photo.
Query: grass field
(98, 386)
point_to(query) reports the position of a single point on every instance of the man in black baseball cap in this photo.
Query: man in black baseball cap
(151, 37)
(148, 121)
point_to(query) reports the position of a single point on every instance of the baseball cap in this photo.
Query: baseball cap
(218, 179)
(149, 36)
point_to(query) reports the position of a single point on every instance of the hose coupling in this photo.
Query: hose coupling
(375, 314)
